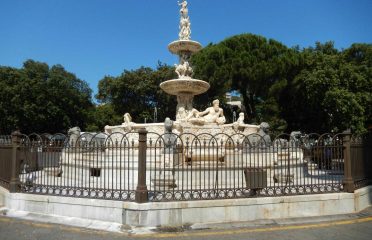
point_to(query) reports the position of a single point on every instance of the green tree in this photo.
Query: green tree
(102, 115)
(251, 64)
(138, 93)
(40, 99)
(333, 90)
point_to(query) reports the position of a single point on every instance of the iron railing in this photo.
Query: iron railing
(77, 167)
(190, 167)
(361, 156)
(5, 160)
(142, 166)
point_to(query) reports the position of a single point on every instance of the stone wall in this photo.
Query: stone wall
(192, 212)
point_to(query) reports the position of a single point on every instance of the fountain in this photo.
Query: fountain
(217, 158)
(185, 87)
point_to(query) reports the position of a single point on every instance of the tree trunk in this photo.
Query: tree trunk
(249, 106)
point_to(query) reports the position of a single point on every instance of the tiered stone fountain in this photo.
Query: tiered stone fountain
(185, 87)
(282, 166)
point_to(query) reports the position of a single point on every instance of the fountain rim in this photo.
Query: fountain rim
(180, 46)
(186, 85)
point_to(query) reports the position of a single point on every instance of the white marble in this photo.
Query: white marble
(192, 212)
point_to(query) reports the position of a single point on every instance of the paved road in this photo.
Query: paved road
(358, 227)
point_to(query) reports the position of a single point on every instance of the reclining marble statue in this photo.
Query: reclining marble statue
(212, 115)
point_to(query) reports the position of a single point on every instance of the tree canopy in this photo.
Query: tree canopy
(255, 66)
(315, 89)
(332, 92)
(39, 98)
(138, 93)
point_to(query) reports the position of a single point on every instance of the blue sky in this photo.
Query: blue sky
(94, 38)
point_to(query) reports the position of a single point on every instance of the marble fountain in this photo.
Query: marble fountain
(184, 88)
(118, 160)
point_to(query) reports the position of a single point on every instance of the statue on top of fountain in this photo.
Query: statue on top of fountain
(184, 11)
(212, 115)
(185, 25)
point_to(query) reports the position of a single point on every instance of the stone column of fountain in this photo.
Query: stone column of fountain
(185, 87)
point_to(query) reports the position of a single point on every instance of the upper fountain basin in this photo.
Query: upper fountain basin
(185, 85)
(179, 46)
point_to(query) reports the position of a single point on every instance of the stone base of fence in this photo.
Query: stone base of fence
(191, 213)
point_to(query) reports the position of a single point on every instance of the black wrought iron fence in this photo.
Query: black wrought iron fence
(5, 160)
(78, 167)
(361, 164)
(144, 167)
(194, 167)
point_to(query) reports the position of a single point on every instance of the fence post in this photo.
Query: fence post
(14, 179)
(141, 191)
(348, 177)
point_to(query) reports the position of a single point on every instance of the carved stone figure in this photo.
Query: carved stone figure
(194, 117)
(185, 25)
(127, 118)
(185, 29)
(184, 11)
(239, 122)
(128, 124)
(189, 116)
(184, 70)
(74, 131)
(181, 114)
(295, 138)
(262, 138)
(73, 134)
(264, 133)
(213, 114)
(240, 126)
(169, 137)
(241, 118)
(168, 125)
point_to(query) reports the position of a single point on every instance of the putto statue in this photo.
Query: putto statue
(184, 70)
(185, 29)
(239, 125)
(128, 124)
(184, 11)
(185, 25)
